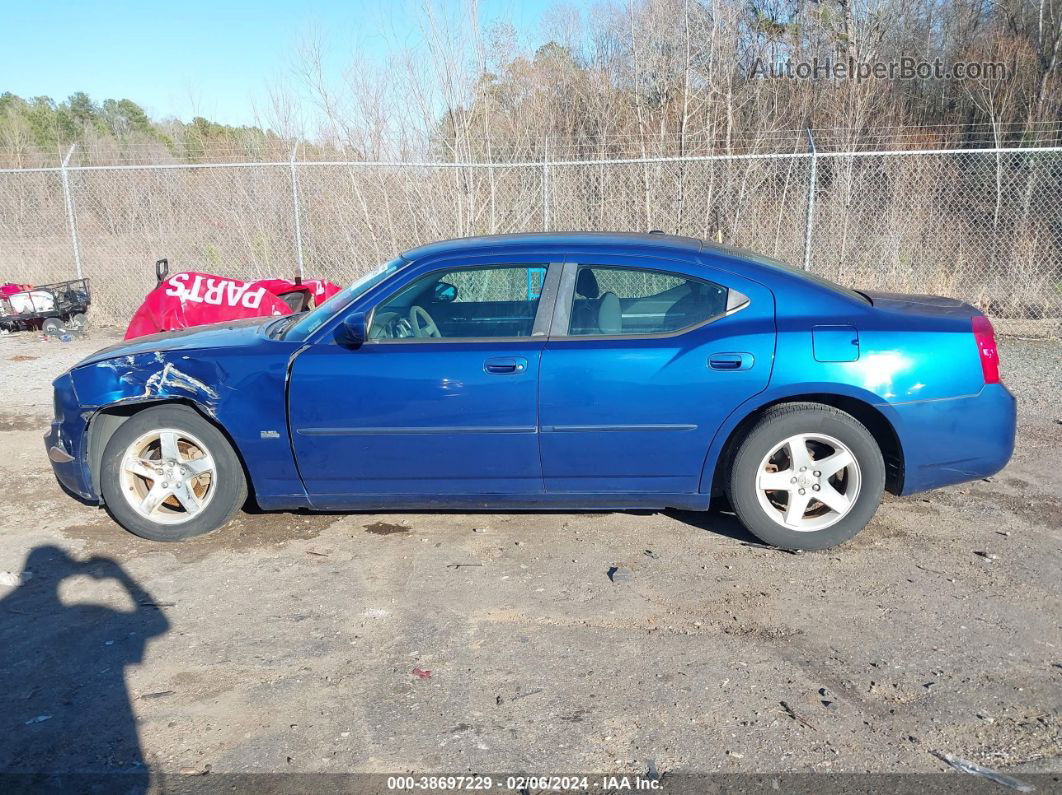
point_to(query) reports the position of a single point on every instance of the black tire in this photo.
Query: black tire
(777, 425)
(52, 326)
(230, 485)
(77, 322)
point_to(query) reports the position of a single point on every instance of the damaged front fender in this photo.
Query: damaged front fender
(151, 377)
(242, 390)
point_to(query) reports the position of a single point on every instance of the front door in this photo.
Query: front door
(441, 400)
(645, 361)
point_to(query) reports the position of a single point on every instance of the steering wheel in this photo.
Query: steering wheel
(423, 325)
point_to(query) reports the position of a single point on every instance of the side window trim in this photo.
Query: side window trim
(547, 301)
(736, 301)
(562, 311)
(543, 313)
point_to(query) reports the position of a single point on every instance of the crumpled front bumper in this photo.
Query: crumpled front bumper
(66, 441)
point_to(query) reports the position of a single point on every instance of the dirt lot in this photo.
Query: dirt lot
(289, 642)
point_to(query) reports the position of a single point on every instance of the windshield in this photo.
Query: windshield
(308, 323)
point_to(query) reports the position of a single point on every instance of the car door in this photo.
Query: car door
(428, 417)
(645, 360)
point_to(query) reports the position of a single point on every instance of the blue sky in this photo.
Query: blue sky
(196, 57)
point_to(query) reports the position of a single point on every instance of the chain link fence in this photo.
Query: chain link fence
(981, 225)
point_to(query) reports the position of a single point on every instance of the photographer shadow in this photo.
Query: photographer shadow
(66, 719)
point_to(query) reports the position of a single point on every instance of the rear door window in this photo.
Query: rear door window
(615, 301)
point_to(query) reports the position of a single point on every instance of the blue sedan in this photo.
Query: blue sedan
(556, 371)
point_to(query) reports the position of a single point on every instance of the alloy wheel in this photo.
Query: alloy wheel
(808, 482)
(168, 476)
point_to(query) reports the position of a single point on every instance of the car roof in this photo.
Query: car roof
(469, 245)
(748, 263)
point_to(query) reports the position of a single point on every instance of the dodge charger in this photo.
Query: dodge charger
(552, 371)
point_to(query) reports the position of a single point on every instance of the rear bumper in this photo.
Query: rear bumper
(955, 440)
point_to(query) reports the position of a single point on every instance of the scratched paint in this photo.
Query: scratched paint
(170, 379)
(151, 376)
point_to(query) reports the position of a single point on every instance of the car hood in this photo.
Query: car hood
(228, 335)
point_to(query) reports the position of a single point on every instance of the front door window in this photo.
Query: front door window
(493, 302)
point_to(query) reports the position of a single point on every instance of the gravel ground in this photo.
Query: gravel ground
(293, 642)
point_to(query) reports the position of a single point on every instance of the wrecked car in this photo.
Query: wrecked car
(554, 371)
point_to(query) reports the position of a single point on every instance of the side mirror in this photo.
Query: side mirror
(445, 293)
(351, 332)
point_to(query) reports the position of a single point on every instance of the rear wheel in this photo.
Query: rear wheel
(807, 476)
(52, 326)
(167, 475)
(77, 322)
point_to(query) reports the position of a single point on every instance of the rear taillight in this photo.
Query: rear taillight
(985, 337)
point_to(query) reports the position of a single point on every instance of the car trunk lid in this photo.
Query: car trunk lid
(925, 305)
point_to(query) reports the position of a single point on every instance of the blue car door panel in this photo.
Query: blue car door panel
(442, 398)
(636, 413)
(417, 418)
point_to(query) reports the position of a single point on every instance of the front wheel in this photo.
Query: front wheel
(807, 476)
(168, 474)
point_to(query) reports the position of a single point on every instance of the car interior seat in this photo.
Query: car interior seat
(597, 312)
(609, 314)
(584, 312)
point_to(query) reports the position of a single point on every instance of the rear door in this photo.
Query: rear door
(646, 358)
